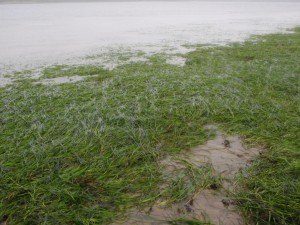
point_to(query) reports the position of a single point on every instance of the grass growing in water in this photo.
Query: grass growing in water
(67, 71)
(84, 153)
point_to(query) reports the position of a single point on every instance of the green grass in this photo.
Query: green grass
(85, 153)
(188, 222)
(67, 71)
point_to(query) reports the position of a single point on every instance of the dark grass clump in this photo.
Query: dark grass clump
(188, 222)
(85, 153)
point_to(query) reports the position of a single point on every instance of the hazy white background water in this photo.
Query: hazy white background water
(37, 34)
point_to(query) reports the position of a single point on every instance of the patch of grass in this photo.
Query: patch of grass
(85, 153)
(272, 185)
(19, 74)
(63, 71)
(186, 181)
(188, 222)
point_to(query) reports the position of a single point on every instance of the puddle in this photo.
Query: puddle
(111, 64)
(227, 156)
(75, 30)
(176, 60)
(5, 81)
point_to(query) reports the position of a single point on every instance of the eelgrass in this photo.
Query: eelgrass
(85, 153)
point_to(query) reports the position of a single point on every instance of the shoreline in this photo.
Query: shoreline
(67, 41)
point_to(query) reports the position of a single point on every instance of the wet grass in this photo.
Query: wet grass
(188, 222)
(85, 153)
(68, 71)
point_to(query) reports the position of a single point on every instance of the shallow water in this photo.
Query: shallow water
(38, 34)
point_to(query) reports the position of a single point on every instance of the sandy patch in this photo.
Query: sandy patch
(227, 156)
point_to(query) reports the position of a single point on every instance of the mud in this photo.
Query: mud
(227, 156)
(206, 206)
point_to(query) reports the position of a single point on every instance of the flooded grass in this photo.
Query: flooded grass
(64, 71)
(88, 152)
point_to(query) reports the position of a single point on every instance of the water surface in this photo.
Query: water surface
(38, 34)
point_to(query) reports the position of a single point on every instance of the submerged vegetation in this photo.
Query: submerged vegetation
(66, 71)
(84, 153)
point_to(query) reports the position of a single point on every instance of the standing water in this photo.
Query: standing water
(43, 34)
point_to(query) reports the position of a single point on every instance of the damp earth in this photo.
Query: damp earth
(227, 157)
